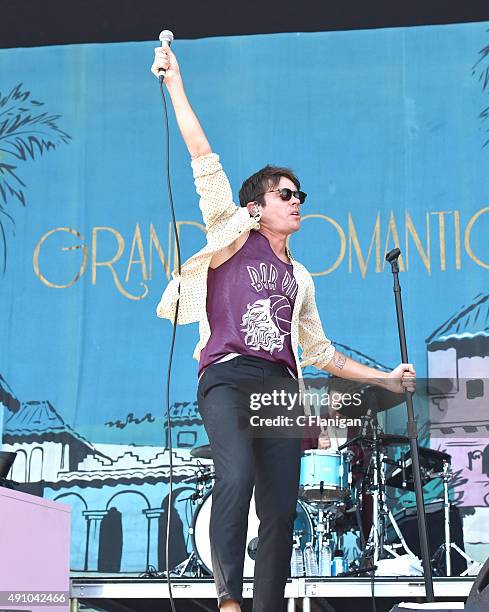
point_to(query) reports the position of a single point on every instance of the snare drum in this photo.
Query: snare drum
(324, 476)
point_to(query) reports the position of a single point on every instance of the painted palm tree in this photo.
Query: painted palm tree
(27, 131)
(481, 71)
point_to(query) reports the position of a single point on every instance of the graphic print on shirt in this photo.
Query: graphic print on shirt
(267, 322)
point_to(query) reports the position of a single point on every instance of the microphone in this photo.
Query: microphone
(208, 475)
(166, 38)
(391, 255)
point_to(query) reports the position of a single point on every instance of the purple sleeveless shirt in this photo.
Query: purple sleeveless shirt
(250, 299)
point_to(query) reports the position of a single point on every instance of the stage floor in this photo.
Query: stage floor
(92, 586)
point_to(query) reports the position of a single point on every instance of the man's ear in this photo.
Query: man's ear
(253, 208)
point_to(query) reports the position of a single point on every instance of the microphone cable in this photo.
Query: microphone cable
(172, 344)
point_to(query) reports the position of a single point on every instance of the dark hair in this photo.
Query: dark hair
(265, 179)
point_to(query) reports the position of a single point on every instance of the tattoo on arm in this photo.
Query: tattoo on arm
(339, 360)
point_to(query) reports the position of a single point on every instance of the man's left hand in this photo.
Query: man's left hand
(402, 379)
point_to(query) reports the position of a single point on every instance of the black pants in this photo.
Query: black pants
(265, 457)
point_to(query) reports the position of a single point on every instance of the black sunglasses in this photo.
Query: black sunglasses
(286, 194)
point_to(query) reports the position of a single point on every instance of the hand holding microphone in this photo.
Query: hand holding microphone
(165, 64)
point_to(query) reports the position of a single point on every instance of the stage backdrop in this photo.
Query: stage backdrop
(387, 130)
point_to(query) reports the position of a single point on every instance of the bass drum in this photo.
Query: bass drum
(201, 542)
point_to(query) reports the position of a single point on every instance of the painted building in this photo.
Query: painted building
(458, 369)
(118, 492)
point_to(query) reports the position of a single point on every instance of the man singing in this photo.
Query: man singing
(255, 306)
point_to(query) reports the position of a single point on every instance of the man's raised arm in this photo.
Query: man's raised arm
(211, 182)
(190, 128)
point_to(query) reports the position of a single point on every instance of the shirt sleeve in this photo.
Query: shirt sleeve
(212, 185)
(317, 349)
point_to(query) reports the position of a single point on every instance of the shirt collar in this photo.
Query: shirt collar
(288, 253)
(287, 250)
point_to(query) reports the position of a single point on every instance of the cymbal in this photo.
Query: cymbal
(202, 452)
(432, 455)
(375, 399)
(388, 440)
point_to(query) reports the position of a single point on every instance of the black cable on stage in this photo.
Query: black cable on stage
(172, 345)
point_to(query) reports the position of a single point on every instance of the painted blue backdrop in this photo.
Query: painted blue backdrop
(385, 128)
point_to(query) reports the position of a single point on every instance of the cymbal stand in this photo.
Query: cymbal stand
(403, 544)
(385, 513)
(376, 515)
(446, 509)
(380, 510)
(377, 533)
(447, 546)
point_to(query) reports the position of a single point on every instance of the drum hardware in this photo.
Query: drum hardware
(376, 546)
(199, 493)
(317, 514)
(357, 572)
(434, 464)
(446, 474)
(207, 474)
(190, 565)
(356, 510)
(376, 479)
(437, 524)
(383, 440)
(325, 519)
(448, 545)
(322, 528)
(378, 522)
(431, 466)
(202, 479)
(329, 505)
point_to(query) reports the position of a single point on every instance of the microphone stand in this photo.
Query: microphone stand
(412, 432)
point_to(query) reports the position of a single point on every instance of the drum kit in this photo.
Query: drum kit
(341, 492)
